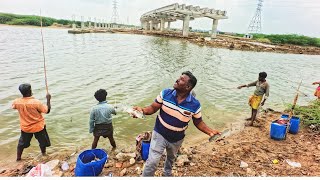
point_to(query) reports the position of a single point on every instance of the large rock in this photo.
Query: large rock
(182, 160)
(125, 156)
(123, 172)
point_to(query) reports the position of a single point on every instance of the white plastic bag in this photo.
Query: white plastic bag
(243, 164)
(41, 170)
(293, 164)
(65, 166)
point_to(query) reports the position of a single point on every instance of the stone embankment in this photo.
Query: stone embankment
(230, 42)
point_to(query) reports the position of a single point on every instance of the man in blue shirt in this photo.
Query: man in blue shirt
(177, 107)
(101, 119)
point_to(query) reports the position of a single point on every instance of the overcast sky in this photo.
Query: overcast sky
(278, 16)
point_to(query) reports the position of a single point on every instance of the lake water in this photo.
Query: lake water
(133, 69)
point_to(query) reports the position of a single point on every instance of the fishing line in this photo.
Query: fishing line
(44, 57)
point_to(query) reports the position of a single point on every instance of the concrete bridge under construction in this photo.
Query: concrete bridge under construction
(152, 19)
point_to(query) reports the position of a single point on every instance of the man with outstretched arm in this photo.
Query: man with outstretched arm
(261, 92)
(177, 107)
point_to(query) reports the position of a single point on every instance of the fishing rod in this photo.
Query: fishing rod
(295, 100)
(44, 57)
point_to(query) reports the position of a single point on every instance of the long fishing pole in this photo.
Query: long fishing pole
(295, 100)
(44, 57)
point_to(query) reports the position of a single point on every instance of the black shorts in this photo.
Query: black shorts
(104, 130)
(42, 137)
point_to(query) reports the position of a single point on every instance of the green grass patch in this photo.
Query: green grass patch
(310, 115)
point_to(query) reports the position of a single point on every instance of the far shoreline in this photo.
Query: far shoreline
(222, 41)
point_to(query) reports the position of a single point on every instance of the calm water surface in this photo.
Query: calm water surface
(133, 69)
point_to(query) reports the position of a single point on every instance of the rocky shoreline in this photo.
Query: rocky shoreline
(230, 42)
(249, 152)
(222, 41)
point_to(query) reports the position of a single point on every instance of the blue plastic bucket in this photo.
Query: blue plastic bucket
(145, 150)
(278, 131)
(86, 166)
(284, 116)
(294, 125)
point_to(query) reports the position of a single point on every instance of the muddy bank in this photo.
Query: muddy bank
(252, 147)
(230, 42)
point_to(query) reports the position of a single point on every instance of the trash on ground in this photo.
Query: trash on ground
(292, 163)
(243, 164)
(41, 170)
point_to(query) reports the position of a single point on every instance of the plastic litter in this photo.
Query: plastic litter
(292, 163)
(53, 163)
(65, 166)
(41, 170)
(243, 164)
(275, 161)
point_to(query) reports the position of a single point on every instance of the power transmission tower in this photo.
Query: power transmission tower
(255, 24)
(115, 15)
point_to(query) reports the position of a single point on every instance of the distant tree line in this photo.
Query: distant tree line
(33, 20)
(13, 19)
(295, 39)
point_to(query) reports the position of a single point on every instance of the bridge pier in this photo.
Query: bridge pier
(185, 30)
(82, 22)
(95, 23)
(162, 25)
(214, 28)
(168, 27)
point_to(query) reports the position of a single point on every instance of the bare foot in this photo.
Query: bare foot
(18, 159)
(248, 119)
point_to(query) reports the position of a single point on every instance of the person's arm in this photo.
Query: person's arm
(154, 107)
(48, 96)
(14, 105)
(91, 121)
(198, 122)
(205, 129)
(266, 95)
(248, 85)
(113, 111)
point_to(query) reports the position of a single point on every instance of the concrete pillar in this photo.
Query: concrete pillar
(95, 23)
(162, 25)
(168, 28)
(214, 28)
(74, 26)
(151, 26)
(185, 31)
(148, 26)
(145, 25)
(82, 22)
(89, 23)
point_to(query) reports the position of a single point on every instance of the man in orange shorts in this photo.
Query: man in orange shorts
(31, 120)
(262, 89)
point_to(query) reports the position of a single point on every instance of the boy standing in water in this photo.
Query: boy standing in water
(31, 120)
(262, 88)
(101, 119)
(317, 92)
